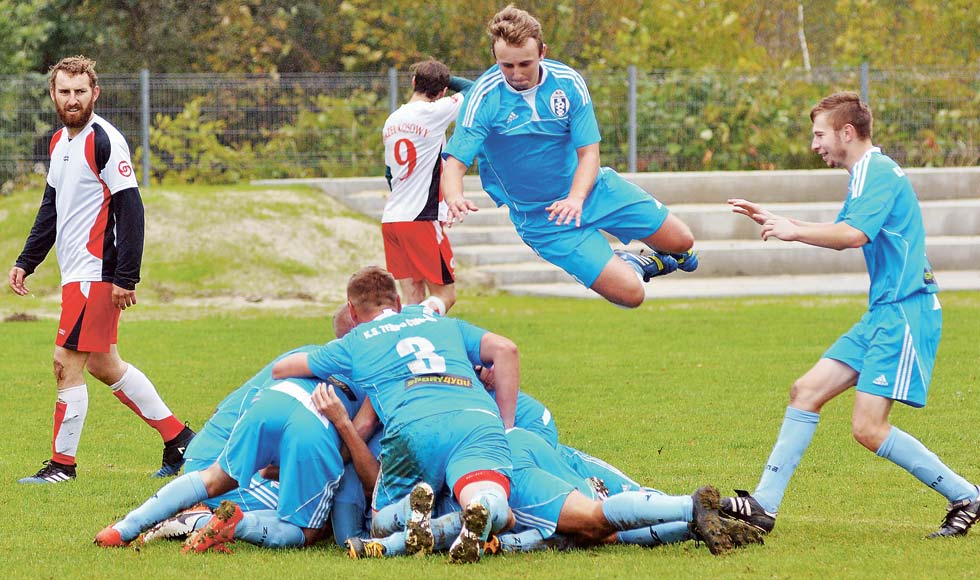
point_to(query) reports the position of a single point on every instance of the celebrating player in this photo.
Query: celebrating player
(531, 122)
(889, 354)
(93, 215)
(417, 251)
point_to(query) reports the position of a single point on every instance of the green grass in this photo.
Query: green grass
(677, 393)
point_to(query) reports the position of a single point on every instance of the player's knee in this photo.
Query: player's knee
(804, 396)
(871, 434)
(628, 297)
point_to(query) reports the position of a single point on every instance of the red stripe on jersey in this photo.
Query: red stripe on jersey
(54, 141)
(96, 235)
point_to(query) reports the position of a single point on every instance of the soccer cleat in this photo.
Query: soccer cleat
(52, 472)
(173, 453)
(468, 546)
(358, 549)
(741, 533)
(745, 507)
(687, 261)
(220, 530)
(706, 521)
(651, 265)
(598, 487)
(178, 527)
(960, 517)
(418, 533)
(492, 546)
(110, 537)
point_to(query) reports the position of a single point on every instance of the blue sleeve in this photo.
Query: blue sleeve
(331, 358)
(472, 336)
(472, 127)
(868, 208)
(584, 126)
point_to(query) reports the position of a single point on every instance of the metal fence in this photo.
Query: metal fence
(214, 128)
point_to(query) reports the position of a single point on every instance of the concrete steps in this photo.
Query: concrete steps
(734, 260)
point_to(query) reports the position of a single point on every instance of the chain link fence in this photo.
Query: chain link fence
(215, 128)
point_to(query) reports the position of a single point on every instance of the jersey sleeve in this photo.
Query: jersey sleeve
(870, 205)
(331, 358)
(472, 336)
(117, 172)
(472, 127)
(42, 235)
(584, 126)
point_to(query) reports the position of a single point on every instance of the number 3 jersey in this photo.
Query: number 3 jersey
(411, 364)
(414, 136)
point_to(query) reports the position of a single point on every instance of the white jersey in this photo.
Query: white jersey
(85, 172)
(414, 136)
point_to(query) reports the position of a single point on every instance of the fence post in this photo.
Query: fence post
(392, 89)
(145, 123)
(864, 82)
(632, 118)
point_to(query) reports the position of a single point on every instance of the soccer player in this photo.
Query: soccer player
(281, 428)
(531, 122)
(417, 251)
(93, 215)
(441, 426)
(888, 355)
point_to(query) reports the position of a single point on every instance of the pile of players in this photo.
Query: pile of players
(423, 413)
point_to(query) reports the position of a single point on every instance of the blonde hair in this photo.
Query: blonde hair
(514, 26)
(372, 288)
(74, 65)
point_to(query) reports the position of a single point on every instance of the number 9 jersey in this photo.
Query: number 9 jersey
(411, 364)
(414, 137)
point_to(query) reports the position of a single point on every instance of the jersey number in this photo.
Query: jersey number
(426, 360)
(405, 155)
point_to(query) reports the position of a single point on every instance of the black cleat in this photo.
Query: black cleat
(960, 517)
(745, 507)
(52, 472)
(706, 523)
(173, 453)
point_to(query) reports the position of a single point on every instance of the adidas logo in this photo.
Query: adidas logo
(881, 381)
(511, 117)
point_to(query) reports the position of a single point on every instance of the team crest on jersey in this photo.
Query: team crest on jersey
(125, 169)
(558, 103)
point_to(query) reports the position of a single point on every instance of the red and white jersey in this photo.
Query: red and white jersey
(85, 172)
(414, 136)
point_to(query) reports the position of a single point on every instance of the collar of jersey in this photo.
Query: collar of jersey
(532, 90)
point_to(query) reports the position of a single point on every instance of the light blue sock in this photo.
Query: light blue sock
(348, 521)
(907, 452)
(181, 493)
(444, 531)
(264, 528)
(636, 509)
(794, 437)
(394, 544)
(531, 541)
(392, 518)
(495, 500)
(659, 535)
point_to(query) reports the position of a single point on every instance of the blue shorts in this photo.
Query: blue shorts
(615, 205)
(439, 450)
(586, 465)
(541, 483)
(280, 428)
(259, 494)
(893, 347)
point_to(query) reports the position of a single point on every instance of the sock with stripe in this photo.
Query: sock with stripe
(69, 418)
(794, 438)
(636, 509)
(908, 453)
(658, 535)
(136, 391)
(179, 494)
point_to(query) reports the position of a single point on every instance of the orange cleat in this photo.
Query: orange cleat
(218, 532)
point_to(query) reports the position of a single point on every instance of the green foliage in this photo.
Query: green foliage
(189, 150)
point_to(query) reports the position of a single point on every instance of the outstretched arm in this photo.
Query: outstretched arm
(453, 171)
(502, 353)
(836, 236)
(569, 209)
(294, 365)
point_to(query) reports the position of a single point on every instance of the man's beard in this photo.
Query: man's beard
(76, 119)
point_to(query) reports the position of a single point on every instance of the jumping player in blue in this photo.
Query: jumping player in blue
(441, 426)
(888, 355)
(531, 123)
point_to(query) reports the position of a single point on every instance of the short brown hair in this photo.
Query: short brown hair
(74, 65)
(846, 108)
(372, 288)
(431, 77)
(514, 26)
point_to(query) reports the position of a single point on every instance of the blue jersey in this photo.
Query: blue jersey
(532, 415)
(411, 364)
(528, 139)
(882, 204)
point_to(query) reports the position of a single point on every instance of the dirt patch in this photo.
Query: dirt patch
(20, 317)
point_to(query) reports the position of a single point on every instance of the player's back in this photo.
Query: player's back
(412, 364)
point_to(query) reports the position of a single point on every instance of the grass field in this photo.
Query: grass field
(677, 393)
